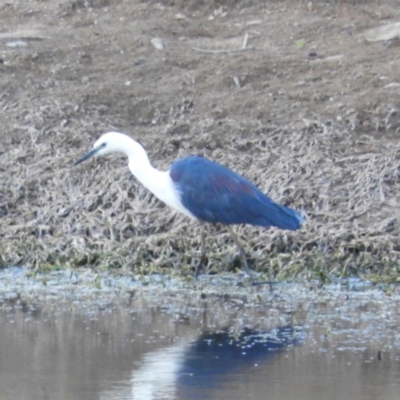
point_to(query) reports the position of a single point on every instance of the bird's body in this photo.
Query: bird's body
(201, 189)
(216, 194)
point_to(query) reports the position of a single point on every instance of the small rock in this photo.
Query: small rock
(254, 22)
(158, 43)
(181, 16)
(392, 85)
(16, 44)
(384, 32)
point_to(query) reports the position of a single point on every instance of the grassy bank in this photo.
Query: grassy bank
(309, 112)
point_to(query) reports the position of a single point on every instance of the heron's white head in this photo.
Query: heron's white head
(112, 142)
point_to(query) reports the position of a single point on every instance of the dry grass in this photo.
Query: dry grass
(343, 173)
(55, 214)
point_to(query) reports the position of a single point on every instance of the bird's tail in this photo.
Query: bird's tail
(284, 217)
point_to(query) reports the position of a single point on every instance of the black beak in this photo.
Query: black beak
(89, 154)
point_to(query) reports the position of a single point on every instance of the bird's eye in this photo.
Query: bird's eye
(104, 144)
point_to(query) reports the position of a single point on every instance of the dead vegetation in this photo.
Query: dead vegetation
(317, 132)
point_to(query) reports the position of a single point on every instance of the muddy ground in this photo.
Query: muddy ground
(290, 94)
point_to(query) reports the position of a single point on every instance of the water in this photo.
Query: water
(157, 343)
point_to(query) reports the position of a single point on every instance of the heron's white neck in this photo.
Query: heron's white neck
(140, 166)
(158, 182)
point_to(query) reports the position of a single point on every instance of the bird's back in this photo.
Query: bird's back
(214, 193)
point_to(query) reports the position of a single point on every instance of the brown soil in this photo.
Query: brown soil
(308, 110)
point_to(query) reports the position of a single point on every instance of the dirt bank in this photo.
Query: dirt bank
(288, 94)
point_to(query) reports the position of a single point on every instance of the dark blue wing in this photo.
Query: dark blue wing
(214, 193)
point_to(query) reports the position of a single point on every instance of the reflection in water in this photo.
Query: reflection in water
(156, 377)
(177, 348)
(216, 357)
(197, 367)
